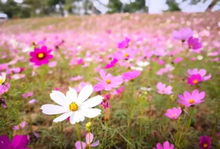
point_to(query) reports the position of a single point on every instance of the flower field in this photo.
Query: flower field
(120, 81)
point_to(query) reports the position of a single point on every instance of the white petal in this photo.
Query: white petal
(91, 112)
(51, 109)
(62, 117)
(74, 118)
(71, 95)
(92, 102)
(84, 94)
(59, 98)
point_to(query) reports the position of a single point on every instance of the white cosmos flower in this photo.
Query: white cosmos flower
(73, 106)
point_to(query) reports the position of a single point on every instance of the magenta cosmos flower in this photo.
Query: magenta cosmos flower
(196, 76)
(164, 89)
(183, 34)
(204, 142)
(173, 113)
(107, 81)
(165, 145)
(18, 142)
(41, 56)
(188, 99)
(124, 43)
(194, 43)
(88, 143)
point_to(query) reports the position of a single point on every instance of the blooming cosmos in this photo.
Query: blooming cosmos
(165, 145)
(194, 43)
(18, 142)
(196, 76)
(107, 81)
(124, 43)
(183, 34)
(41, 56)
(173, 113)
(88, 143)
(73, 106)
(164, 89)
(188, 99)
(204, 142)
(4, 87)
(130, 75)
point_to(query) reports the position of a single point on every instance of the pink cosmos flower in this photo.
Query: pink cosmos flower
(194, 43)
(107, 81)
(204, 142)
(177, 60)
(183, 34)
(196, 76)
(173, 113)
(41, 56)
(125, 54)
(112, 63)
(88, 143)
(105, 103)
(4, 88)
(18, 142)
(20, 126)
(124, 43)
(130, 75)
(28, 94)
(188, 99)
(165, 145)
(164, 89)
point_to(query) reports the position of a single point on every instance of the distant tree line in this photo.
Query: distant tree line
(32, 8)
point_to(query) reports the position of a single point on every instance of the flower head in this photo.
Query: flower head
(164, 89)
(196, 76)
(165, 145)
(73, 106)
(183, 34)
(124, 43)
(204, 142)
(194, 43)
(173, 113)
(41, 56)
(18, 142)
(88, 143)
(130, 75)
(188, 99)
(107, 81)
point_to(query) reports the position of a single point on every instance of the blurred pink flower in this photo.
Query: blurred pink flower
(88, 143)
(196, 76)
(130, 75)
(173, 113)
(4, 88)
(188, 99)
(124, 43)
(107, 81)
(165, 145)
(18, 142)
(205, 142)
(183, 34)
(194, 43)
(40, 56)
(28, 94)
(111, 64)
(164, 89)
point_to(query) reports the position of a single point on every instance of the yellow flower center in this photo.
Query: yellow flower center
(205, 145)
(126, 55)
(195, 81)
(40, 55)
(1, 81)
(73, 106)
(191, 101)
(108, 81)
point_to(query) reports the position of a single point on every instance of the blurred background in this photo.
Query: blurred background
(37, 8)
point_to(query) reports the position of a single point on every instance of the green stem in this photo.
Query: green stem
(78, 134)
